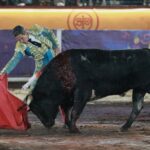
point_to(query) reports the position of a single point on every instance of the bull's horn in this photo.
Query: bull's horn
(28, 99)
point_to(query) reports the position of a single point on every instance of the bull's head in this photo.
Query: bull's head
(45, 110)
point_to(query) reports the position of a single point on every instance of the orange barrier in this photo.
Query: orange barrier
(89, 19)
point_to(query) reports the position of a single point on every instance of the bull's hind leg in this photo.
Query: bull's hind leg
(137, 105)
(81, 96)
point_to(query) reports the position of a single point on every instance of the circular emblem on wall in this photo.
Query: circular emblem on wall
(83, 20)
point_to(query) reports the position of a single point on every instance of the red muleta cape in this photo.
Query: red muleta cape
(10, 116)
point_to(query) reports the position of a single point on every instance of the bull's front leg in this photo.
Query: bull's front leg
(81, 96)
(65, 115)
(137, 99)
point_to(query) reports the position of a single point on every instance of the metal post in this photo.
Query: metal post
(59, 37)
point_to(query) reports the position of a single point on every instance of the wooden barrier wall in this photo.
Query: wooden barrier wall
(77, 19)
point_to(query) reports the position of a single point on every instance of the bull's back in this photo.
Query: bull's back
(111, 71)
(107, 71)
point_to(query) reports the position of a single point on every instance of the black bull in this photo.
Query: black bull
(68, 81)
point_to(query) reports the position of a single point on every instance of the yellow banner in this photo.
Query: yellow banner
(77, 19)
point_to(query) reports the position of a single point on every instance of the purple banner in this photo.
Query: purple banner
(107, 40)
(78, 39)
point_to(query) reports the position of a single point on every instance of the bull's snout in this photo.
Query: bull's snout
(49, 124)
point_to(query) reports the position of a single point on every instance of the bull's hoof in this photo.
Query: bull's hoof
(65, 126)
(124, 129)
(74, 130)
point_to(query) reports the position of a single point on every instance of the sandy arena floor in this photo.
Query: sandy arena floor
(99, 124)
